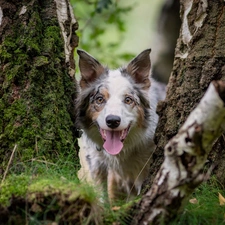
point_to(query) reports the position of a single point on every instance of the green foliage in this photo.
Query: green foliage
(101, 4)
(101, 29)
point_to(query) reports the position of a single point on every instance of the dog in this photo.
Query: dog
(116, 109)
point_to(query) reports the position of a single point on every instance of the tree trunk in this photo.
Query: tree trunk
(185, 156)
(199, 59)
(37, 85)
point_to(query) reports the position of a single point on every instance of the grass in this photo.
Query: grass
(207, 209)
(47, 191)
(38, 173)
(40, 176)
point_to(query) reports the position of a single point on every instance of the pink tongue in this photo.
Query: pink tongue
(113, 144)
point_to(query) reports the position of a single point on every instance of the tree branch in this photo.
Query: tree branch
(185, 156)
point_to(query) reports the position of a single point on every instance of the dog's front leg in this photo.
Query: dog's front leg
(114, 187)
(111, 185)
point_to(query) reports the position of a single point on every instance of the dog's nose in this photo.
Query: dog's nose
(112, 121)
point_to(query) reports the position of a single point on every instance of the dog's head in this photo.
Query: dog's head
(114, 101)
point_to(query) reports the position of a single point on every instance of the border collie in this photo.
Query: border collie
(117, 113)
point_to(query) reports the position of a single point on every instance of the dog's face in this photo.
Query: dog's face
(113, 101)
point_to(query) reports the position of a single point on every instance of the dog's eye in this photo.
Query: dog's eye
(99, 100)
(128, 100)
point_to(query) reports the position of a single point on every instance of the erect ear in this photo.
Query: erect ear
(139, 68)
(90, 68)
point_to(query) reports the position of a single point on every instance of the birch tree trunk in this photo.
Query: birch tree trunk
(37, 85)
(199, 59)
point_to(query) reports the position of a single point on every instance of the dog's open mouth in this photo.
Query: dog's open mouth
(113, 140)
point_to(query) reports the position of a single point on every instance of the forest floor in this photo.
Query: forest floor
(51, 193)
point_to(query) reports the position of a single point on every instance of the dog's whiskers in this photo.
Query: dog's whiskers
(93, 123)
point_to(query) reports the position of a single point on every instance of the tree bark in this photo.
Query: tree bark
(199, 59)
(37, 85)
(185, 156)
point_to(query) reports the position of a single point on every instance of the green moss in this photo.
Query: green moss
(41, 61)
(14, 185)
(42, 176)
(5, 55)
(48, 199)
(23, 185)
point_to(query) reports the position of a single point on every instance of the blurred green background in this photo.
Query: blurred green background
(114, 31)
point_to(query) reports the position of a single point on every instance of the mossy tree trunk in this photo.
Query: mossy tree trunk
(37, 85)
(199, 59)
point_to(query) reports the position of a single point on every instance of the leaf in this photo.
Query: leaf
(193, 201)
(116, 208)
(102, 4)
(221, 199)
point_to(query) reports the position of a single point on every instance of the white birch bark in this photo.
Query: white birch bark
(67, 21)
(185, 156)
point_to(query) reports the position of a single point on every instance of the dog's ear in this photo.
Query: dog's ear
(90, 68)
(139, 68)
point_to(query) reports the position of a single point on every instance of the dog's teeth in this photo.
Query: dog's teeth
(104, 132)
(123, 134)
